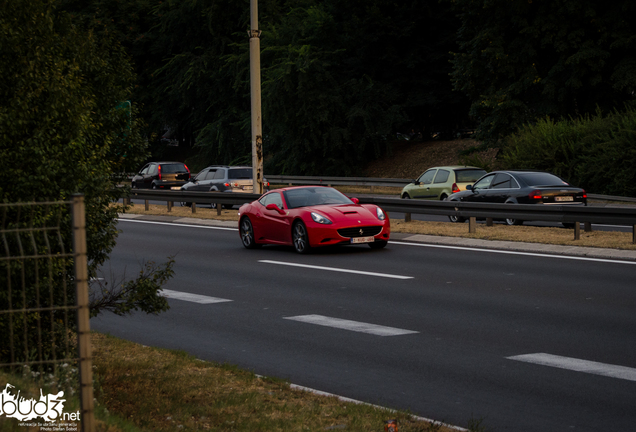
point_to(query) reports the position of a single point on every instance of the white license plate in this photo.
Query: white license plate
(175, 188)
(564, 198)
(362, 240)
(248, 188)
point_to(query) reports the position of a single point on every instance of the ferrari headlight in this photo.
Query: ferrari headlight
(320, 218)
(380, 213)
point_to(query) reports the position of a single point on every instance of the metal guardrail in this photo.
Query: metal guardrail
(388, 182)
(569, 214)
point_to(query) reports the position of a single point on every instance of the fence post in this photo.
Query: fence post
(219, 206)
(147, 205)
(407, 217)
(588, 226)
(472, 225)
(489, 222)
(577, 231)
(194, 207)
(169, 206)
(83, 314)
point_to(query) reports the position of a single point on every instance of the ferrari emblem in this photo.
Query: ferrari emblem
(361, 232)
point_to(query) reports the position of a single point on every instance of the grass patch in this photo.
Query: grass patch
(29, 385)
(530, 234)
(163, 390)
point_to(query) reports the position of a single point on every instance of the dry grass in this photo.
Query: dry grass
(530, 234)
(163, 390)
(546, 235)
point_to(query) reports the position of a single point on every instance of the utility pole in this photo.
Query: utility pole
(255, 87)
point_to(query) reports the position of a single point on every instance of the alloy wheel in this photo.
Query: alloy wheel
(299, 238)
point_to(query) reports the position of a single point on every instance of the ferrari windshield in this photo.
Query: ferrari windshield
(311, 196)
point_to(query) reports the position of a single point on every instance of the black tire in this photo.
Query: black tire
(300, 239)
(154, 186)
(406, 196)
(511, 222)
(457, 219)
(186, 204)
(212, 205)
(247, 234)
(378, 244)
(444, 197)
(133, 185)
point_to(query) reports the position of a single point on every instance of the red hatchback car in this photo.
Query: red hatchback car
(311, 216)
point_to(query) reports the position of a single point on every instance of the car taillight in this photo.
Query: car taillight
(226, 184)
(188, 170)
(535, 195)
(584, 194)
(266, 184)
(159, 172)
(455, 189)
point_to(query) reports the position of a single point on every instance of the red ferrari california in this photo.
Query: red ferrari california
(311, 216)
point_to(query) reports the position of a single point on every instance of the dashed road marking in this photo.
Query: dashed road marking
(335, 269)
(195, 298)
(356, 326)
(578, 365)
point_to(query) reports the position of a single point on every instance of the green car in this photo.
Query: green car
(439, 183)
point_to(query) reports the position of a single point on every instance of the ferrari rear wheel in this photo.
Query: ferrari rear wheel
(247, 233)
(300, 239)
(378, 244)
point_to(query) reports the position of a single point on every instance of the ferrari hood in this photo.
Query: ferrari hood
(354, 211)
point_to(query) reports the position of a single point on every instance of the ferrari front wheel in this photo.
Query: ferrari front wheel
(247, 233)
(300, 239)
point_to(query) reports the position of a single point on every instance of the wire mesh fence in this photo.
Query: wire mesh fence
(44, 305)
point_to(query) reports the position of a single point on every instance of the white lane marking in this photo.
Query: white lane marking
(195, 298)
(356, 326)
(179, 225)
(514, 252)
(335, 269)
(578, 365)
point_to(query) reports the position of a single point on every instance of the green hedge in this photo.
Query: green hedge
(597, 153)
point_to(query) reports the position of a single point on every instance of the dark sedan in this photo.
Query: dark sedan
(520, 187)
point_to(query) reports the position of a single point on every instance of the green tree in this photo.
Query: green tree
(62, 133)
(522, 60)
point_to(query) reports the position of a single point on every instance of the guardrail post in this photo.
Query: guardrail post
(588, 226)
(147, 204)
(634, 234)
(219, 206)
(169, 206)
(489, 222)
(372, 189)
(577, 231)
(407, 217)
(472, 225)
(194, 207)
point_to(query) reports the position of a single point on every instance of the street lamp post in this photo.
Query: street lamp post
(255, 88)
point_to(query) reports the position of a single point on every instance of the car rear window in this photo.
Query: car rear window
(240, 173)
(541, 179)
(469, 175)
(173, 168)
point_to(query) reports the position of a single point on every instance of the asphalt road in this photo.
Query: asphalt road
(437, 331)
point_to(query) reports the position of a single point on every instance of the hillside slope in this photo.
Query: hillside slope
(410, 159)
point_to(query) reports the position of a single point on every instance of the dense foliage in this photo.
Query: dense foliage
(596, 152)
(66, 127)
(522, 60)
(339, 78)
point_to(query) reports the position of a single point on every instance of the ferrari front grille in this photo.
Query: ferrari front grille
(363, 231)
